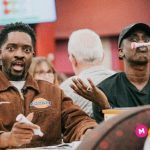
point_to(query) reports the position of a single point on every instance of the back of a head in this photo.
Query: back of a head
(85, 45)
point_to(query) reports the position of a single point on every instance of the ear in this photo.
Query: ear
(33, 53)
(73, 60)
(121, 54)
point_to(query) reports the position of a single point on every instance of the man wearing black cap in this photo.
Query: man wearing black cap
(131, 87)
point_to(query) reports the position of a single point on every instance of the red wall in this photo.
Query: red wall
(61, 62)
(45, 33)
(106, 17)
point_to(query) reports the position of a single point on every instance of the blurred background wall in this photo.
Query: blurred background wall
(106, 17)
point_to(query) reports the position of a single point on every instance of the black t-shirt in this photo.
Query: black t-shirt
(122, 93)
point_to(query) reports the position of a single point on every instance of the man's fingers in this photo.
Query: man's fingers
(25, 126)
(79, 90)
(77, 84)
(88, 89)
(23, 131)
(80, 84)
(26, 141)
(84, 86)
(23, 135)
(30, 116)
(83, 94)
(74, 87)
(92, 84)
(21, 142)
(19, 139)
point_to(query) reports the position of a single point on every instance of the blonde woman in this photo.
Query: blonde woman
(42, 69)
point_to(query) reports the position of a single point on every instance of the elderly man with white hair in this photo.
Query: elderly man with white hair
(86, 55)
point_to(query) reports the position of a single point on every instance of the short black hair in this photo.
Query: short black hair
(18, 26)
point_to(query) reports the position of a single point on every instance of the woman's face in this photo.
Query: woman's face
(43, 72)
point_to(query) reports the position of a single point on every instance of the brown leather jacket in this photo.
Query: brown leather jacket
(53, 111)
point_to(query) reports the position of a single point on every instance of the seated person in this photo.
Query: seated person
(131, 87)
(43, 103)
(42, 69)
(86, 55)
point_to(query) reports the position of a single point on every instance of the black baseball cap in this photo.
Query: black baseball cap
(129, 29)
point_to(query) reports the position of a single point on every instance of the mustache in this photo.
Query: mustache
(142, 49)
(18, 62)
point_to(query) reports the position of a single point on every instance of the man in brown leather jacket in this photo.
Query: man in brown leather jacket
(41, 102)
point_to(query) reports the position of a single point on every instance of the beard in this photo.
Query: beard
(139, 62)
(15, 77)
(16, 69)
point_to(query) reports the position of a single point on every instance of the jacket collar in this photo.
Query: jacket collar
(30, 82)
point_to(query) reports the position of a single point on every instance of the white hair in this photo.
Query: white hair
(85, 45)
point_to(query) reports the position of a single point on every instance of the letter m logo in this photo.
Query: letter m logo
(142, 131)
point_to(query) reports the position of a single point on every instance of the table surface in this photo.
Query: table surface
(116, 110)
(64, 146)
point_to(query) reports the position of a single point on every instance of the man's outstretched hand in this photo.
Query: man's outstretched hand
(91, 92)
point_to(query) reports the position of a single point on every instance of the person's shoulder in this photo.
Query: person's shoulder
(112, 77)
(109, 71)
(110, 80)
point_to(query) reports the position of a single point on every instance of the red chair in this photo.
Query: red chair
(118, 133)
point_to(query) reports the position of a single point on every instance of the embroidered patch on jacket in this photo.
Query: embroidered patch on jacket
(40, 103)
